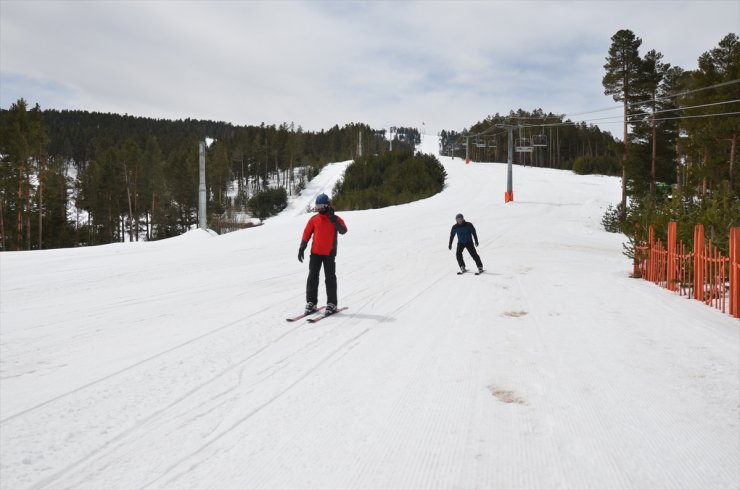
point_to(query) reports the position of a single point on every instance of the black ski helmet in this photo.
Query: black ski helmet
(459, 216)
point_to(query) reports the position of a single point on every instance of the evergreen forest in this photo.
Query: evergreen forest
(678, 155)
(77, 178)
(391, 178)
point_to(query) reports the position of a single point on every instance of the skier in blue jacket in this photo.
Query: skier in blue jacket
(466, 236)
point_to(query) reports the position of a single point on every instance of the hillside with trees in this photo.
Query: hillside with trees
(75, 178)
(678, 151)
(391, 178)
(679, 148)
(551, 141)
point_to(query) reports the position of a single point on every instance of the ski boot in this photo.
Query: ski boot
(310, 308)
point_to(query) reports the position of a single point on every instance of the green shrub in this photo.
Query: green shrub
(603, 165)
(268, 203)
(389, 179)
(718, 211)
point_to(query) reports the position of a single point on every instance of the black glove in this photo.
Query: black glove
(301, 249)
(476, 244)
(330, 213)
(449, 246)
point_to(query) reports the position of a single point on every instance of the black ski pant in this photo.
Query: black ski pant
(471, 250)
(330, 279)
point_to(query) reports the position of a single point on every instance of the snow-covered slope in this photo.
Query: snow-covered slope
(170, 365)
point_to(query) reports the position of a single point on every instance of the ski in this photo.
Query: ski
(466, 271)
(296, 318)
(321, 317)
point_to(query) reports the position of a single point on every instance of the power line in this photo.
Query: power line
(620, 117)
(630, 120)
(693, 117)
(670, 96)
(633, 118)
(591, 112)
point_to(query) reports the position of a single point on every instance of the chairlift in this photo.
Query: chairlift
(523, 145)
(492, 143)
(480, 144)
(539, 140)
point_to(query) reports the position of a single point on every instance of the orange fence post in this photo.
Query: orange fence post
(699, 262)
(671, 272)
(715, 278)
(638, 253)
(684, 271)
(735, 272)
(651, 254)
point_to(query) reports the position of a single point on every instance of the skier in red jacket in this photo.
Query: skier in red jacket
(324, 227)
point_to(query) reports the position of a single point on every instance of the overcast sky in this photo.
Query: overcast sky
(447, 64)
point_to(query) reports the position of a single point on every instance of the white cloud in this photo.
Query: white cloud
(323, 63)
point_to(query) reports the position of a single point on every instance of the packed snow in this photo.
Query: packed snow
(170, 364)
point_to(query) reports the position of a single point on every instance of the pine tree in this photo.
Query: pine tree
(652, 73)
(155, 195)
(622, 76)
(24, 152)
(130, 156)
(714, 139)
(673, 84)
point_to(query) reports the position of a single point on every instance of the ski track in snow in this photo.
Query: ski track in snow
(169, 364)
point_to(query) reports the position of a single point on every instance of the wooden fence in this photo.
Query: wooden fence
(702, 273)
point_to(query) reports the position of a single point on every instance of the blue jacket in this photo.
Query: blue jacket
(465, 232)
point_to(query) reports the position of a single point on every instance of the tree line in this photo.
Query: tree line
(550, 140)
(678, 154)
(396, 177)
(74, 178)
(679, 148)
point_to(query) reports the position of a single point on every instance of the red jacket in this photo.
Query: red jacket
(324, 231)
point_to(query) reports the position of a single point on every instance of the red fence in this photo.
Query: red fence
(703, 273)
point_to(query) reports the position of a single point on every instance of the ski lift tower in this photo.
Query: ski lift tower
(509, 195)
(202, 186)
(202, 193)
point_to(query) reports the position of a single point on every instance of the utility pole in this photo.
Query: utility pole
(202, 187)
(509, 195)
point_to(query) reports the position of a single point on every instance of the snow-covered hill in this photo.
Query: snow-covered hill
(169, 364)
